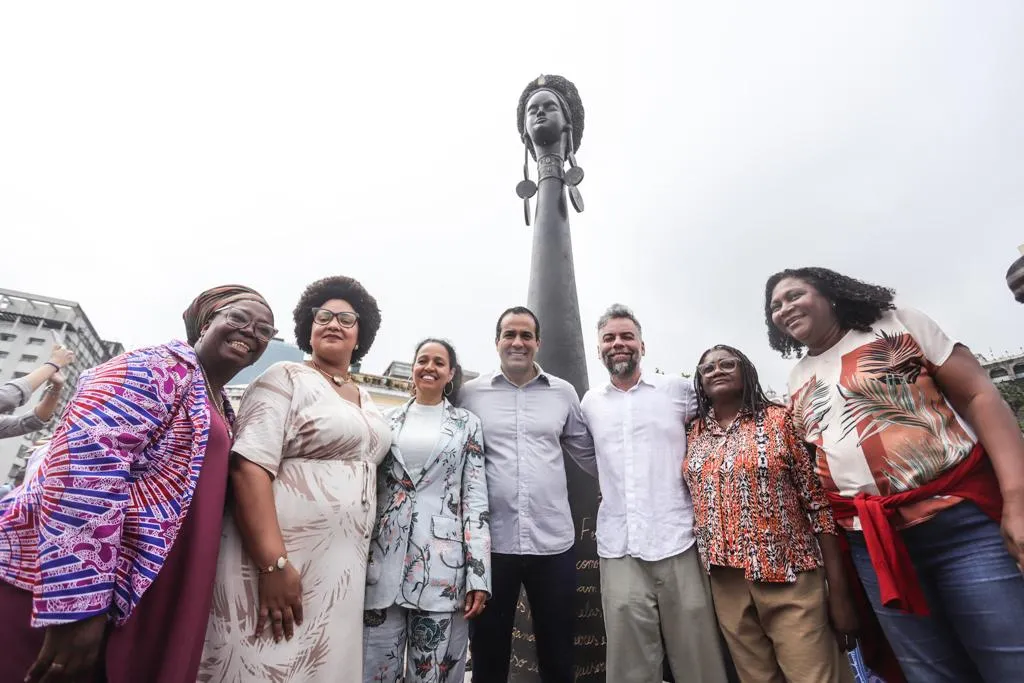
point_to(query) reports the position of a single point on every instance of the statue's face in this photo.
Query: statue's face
(545, 119)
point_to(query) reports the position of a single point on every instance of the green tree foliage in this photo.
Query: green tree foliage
(1013, 393)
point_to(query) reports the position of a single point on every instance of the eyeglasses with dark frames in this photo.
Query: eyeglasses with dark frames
(347, 319)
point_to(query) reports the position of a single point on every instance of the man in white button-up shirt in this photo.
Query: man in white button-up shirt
(652, 583)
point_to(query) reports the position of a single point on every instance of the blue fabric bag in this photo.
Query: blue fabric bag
(861, 672)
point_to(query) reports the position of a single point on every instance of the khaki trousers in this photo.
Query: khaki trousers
(778, 632)
(644, 601)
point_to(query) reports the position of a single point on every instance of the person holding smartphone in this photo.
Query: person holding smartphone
(16, 393)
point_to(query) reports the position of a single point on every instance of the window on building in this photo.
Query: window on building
(6, 336)
(28, 358)
(998, 373)
(4, 354)
(1018, 369)
(36, 341)
(18, 375)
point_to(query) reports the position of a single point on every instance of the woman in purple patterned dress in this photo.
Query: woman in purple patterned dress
(108, 554)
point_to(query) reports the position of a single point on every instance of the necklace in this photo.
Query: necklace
(215, 400)
(337, 379)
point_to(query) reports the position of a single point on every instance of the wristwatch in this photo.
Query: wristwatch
(279, 565)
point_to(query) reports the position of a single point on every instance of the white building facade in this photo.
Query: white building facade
(30, 326)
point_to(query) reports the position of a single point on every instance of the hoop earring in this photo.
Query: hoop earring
(447, 391)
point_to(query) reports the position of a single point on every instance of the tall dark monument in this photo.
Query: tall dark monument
(550, 121)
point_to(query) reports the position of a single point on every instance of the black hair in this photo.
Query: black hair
(453, 361)
(754, 399)
(517, 310)
(858, 305)
(337, 287)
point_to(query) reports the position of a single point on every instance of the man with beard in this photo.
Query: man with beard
(652, 583)
(529, 417)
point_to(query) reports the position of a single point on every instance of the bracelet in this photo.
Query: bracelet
(53, 365)
(278, 565)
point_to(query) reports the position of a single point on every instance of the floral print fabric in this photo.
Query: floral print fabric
(436, 644)
(431, 543)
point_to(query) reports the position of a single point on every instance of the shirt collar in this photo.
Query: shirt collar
(711, 422)
(645, 378)
(541, 376)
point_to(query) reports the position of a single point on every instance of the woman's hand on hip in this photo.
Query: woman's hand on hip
(70, 652)
(475, 601)
(280, 602)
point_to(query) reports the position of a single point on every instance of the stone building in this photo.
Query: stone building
(30, 326)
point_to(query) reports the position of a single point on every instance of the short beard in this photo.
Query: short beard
(622, 368)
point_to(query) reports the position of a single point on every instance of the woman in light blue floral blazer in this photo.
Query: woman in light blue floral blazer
(430, 555)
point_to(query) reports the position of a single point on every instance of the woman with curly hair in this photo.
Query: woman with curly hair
(288, 604)
(922, 460)
(430, 555)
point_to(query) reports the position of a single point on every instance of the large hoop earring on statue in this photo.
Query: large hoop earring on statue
(447, 391)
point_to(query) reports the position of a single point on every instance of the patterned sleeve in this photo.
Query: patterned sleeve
(935, 344)
(84, 482)
(805, 479)
(476, 516)
(261, 428)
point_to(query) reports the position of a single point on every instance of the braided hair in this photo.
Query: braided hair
(754, 399)
(858, 305)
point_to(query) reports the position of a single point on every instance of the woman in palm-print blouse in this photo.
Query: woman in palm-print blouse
(923, 463)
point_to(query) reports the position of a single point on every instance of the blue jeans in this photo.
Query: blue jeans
(975, 593)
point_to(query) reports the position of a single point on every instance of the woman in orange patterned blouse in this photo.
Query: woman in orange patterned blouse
(765, 531)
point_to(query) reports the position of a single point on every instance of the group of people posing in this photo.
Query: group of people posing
(315, 539)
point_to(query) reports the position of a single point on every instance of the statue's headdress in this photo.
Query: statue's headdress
(572, 106)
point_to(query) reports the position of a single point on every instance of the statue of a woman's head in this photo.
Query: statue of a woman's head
(548, 106)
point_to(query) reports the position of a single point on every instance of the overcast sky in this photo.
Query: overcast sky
(150, 151)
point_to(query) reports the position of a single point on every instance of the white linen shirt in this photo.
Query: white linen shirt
(640, 442)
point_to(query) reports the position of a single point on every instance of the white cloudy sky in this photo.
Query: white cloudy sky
(149, 151)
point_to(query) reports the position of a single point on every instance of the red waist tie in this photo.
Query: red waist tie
(972, 480)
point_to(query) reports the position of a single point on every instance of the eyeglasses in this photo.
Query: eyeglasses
(239, 319)
(322, 316)
(726, 365)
